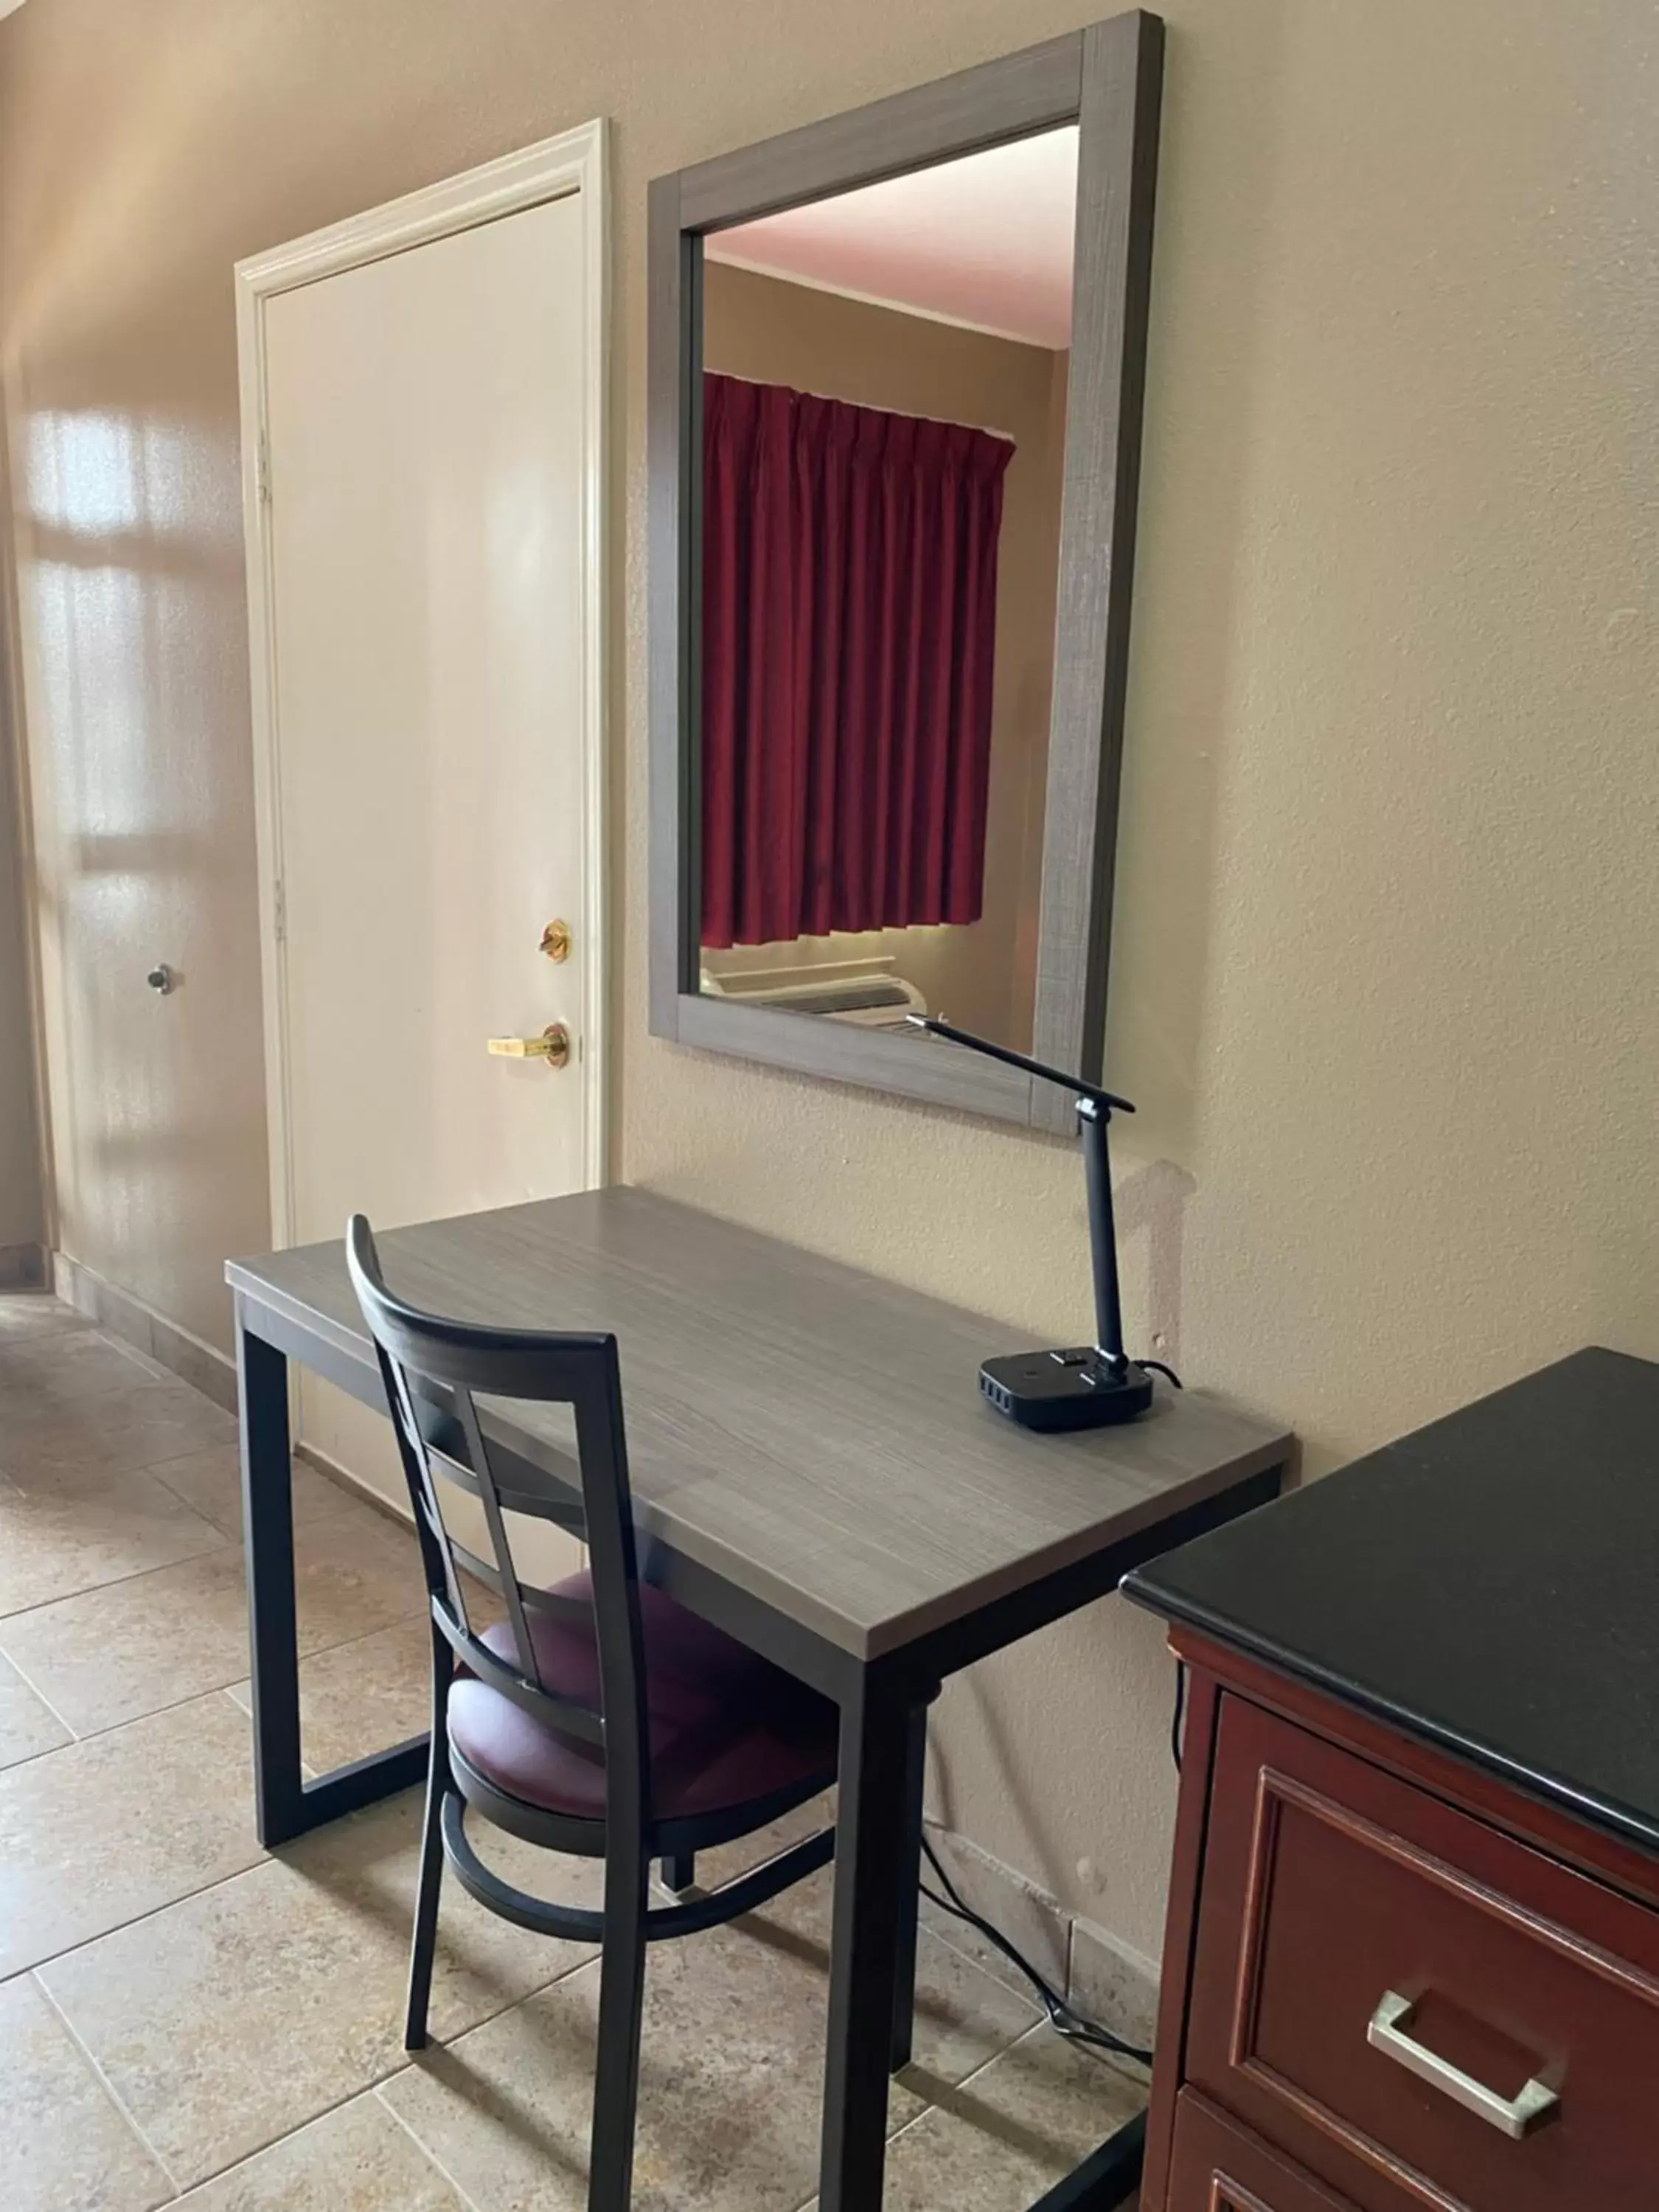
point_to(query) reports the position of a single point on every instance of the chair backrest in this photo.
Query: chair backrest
(434, 1367)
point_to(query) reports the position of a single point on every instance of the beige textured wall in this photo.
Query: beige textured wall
(1385, 960)
(983, 976)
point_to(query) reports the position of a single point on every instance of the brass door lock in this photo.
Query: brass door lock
(553, 1046)
(555, 940)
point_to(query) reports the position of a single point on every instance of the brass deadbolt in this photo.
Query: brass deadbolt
(555, 940)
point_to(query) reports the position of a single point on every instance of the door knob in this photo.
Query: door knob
(553, 1046)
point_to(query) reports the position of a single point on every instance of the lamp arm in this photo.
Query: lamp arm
(1102, 1236)
(1095, 1108)
(1074, 1084)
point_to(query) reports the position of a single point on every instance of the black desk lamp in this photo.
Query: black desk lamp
(1079, 1386)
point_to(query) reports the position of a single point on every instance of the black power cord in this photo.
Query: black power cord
(1063, 2018)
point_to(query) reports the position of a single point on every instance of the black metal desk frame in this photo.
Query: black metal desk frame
(883, 1705)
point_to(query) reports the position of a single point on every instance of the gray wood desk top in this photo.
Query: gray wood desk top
(811, 1433)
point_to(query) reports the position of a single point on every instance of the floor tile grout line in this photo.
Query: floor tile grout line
(131, 1463)
(149, 1466)
(512, 2004)
(115, 1458)
(17, 1766)
(226, 1543)
(157, 1470)
(928, 2108)
(1020, 1988)
(105, 2083)
(1024, 2036)
(267, 1857)
(39, 1405)
(418, 1612)
(431, 2156)
(117, 1582)
(925, 2105)
(363, 2089)
(1036, 2029)
(24, 1677)
(338, 1506)
(311, 2119)
(191, 1697)
(154, 1712)
(155, 1474)
(133, 1720)
(150, 1912)
(371, 2088)
(1105, 2058)
(124, 1460)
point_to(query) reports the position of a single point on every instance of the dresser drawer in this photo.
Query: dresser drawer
(1217, 2167)
(1418, 2008)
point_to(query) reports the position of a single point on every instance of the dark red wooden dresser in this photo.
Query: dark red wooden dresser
(1413, 1952)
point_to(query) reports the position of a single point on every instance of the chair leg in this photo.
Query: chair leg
(621, 2005)
(679, 1874)
(424, 1946)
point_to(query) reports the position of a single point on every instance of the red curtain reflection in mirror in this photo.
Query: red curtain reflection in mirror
(850, 588)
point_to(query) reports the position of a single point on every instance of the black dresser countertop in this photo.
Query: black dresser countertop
(1489, 1584)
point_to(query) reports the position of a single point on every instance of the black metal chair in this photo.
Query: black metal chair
(601, 1718)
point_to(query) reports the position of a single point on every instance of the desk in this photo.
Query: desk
(813, 1470)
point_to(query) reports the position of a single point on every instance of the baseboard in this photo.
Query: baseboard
(1112, 1982)
(22, 1267)
(201, 1366)
(1105, 1978)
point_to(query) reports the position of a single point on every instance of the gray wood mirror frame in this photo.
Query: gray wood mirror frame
(1106, 80)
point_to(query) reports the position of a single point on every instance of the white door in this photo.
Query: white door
(432, 765)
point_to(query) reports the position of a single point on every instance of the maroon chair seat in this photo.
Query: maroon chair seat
(726, 1729)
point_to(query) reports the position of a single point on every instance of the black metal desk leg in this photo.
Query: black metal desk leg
(1108, 2177)
(873, 1863)
(268, 1541)
(904, 1962)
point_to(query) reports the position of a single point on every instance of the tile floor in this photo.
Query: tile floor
(185, 2018)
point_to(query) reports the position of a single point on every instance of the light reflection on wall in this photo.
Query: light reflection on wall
(109, 574)
(81, 473)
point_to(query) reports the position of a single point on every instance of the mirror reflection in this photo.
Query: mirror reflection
(884, 387)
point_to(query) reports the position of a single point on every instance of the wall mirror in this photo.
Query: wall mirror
(896, 363)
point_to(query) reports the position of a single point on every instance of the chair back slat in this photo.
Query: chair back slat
(570, 1717)
(512, 1597)
(436, 1557)
(535, 1600)
(443, 1436)
(432, 1361)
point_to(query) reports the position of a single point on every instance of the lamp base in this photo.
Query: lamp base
(1069, 1388)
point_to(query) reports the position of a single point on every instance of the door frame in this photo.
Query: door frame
(573, 162)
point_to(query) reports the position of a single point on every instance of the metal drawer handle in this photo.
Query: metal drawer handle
(1514, 2116)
